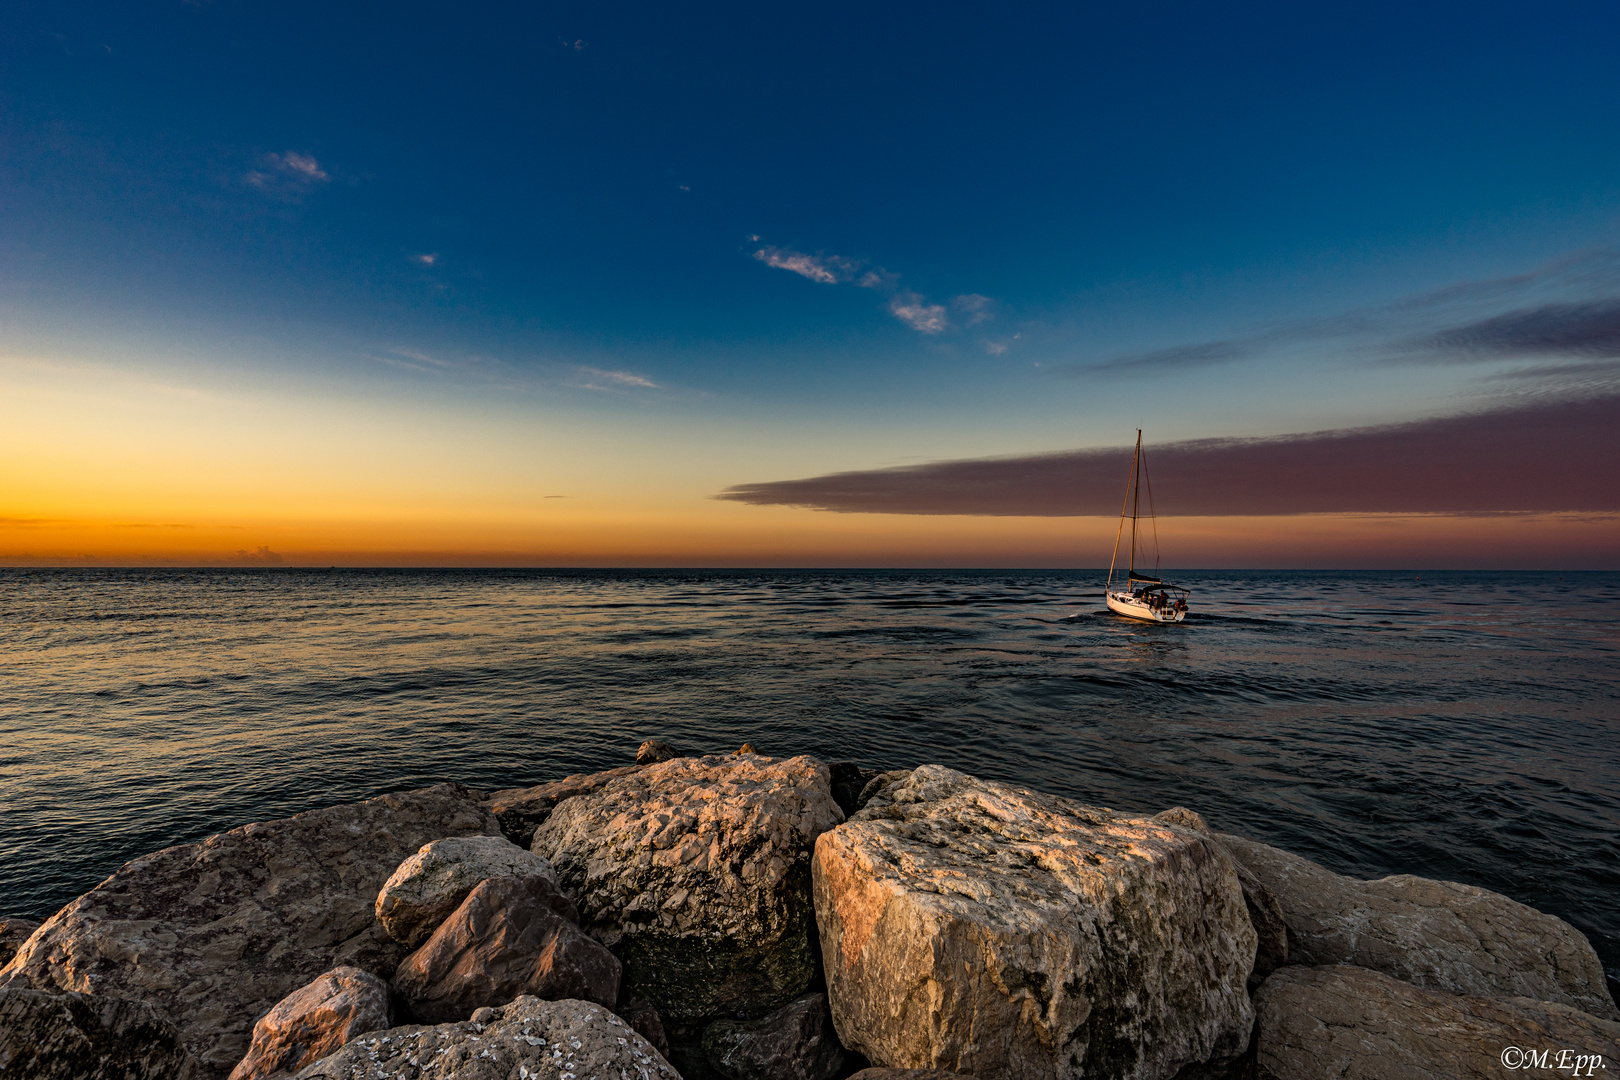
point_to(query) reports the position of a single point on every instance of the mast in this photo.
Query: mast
(1136, 499)
(1129, 488)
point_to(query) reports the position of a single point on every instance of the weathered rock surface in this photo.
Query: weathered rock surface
(796, 1042)
(431, 884)
(214, 934)
(653, 751)
(511, 936)
(640, 1014)
(1358, 1024)
(881, 1073)
(314, 1021)
(521, 810)
(848, 781)
(877, 784)
(696, 873)
(13, 932)
(46, 1036)
(528, 1039)
(1265, 913)
(1439, 935)
(994, 930)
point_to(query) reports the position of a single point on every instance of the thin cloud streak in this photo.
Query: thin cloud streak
(825, 269)
(1538, 457)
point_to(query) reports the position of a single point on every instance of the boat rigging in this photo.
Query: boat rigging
(1142, 596)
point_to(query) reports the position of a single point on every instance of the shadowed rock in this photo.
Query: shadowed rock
(521, 810)
(511, 936)
(848, 781)
(1265, 913)
(880, 1073)
(539, 1040)
(877, 784)
(80, 1037)
(313, 1022)
(974, 926)
(1361, 1025)
(653, 751)
(796, 1042)
(1439, 935)
(431, 884)
(640, 1014)
(214, 934)
(13, 932)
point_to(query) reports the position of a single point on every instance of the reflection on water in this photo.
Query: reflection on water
(1461, 726)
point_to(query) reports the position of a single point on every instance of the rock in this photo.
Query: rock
(796, 1042)
(880, 1073)
(975, 926)
(1439, 935)
(1358, 1024)
(640, 1014)
(13, 932)
(745, 748)
(521, 810)
(848, 780)
(1265, 913)
(431, 884)
(46, 1036)
(528, 1038)
(511, 936)
(696, 872)
(653, 751)
(877, 784)
(213, 934)
(314, 1021)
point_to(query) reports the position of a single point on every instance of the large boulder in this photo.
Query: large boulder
(13, 932)
(511, 936)
(1265, 913)
(878, 1072)
(696, 872)
(314, 1021)
(46, 1036)
(993, 930)
(1439, 935)
(213, 934)
(1357, 1024)
(796, 1042)
(522, 810)
(528, 1038)
(431, 884)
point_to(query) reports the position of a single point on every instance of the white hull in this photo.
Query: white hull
(1127, 605)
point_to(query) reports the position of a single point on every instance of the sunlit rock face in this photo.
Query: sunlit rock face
(696, 872)
(429, 885)
(214, 934)
(997, 931)
(313, 1022)
(1440, 935)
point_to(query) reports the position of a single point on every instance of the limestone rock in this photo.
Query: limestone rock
(511, 936)
(796, 1042)
(521, 810)
(696, 872)
(13, 932)
(46, 1036)
(314, 1021)
(653, 751)
(431, 884)
(1358, 1024)
(880, 1073)
(877, 784)
(538, 1040)
(848, 780)
(975, 926)
(213, 934)
(1265, 913)
(1439, 935)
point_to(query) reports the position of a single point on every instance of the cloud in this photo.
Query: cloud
(879, 278)
(259, 556)
(427, 258)
(1175, 358)
(918, 314)
(1589, 330)
(975, 308)
(1538, 457)
(826, 269)
(600, 379)
(288, 175)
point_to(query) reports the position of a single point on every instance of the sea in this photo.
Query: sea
(1463, 726)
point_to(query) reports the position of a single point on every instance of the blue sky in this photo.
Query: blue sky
(812, 238)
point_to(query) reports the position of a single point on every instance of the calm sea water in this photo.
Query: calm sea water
(1462, 726)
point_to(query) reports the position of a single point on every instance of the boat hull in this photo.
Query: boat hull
(1124, 604)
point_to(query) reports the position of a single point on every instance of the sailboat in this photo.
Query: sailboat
(1141, 596)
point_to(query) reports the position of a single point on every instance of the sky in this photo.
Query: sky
(808, 285)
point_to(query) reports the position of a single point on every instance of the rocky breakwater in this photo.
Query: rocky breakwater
(696, 873)
(212, 935)
(1002, 932)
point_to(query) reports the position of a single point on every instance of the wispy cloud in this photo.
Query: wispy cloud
(826, 269)
(287, 175)
(1581, 330)
(1540, 456)
(974, 308)
(428, 258)
(917, 313)
(603, 379)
